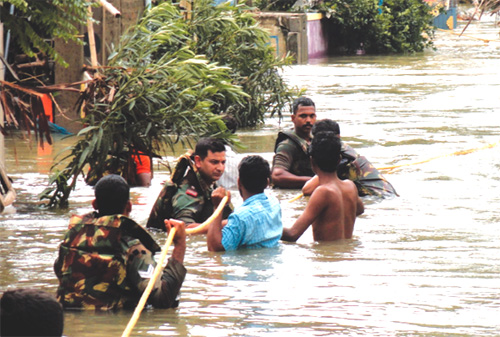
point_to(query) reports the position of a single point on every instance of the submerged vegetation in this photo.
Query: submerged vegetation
(172, 79)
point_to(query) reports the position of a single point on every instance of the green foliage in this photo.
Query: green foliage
(35, 21)
(401, 26)
(233, 39)
(275, 5)
(398, 26)
(169, 81)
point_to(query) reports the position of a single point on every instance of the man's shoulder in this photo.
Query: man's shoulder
(189, 190)
(330, 193)
(256, 203)
(287, 138)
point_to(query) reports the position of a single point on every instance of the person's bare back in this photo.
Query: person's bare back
(334, 204)
(331, 210)
(338, 200)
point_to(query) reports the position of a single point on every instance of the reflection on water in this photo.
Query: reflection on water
(423, 264)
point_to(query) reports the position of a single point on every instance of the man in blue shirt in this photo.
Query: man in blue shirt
(257, 222)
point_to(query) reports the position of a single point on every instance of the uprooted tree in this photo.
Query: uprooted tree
(172, 79)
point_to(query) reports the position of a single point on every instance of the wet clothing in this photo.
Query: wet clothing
(142, 164)
(106, 263)
(368, 180)
(185, 197)
(229, 178)
(133, 165)
(291, 154)
(255, 224)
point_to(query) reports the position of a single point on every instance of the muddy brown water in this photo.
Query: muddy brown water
(424, 264)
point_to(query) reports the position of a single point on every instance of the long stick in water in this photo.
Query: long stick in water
(297, 197)
(207, 222)
(149, 288)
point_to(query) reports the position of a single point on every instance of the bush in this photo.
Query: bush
(397, 26)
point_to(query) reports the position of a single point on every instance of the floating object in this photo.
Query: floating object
(54, 128)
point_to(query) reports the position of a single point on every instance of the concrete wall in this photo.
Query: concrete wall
(303, 35)
(317, 39)
(288, 33)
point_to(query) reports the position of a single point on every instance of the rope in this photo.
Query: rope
(457, 153)
(149, 288)
(207, 222)
(470, 37)
(296, 197)
(390, 169)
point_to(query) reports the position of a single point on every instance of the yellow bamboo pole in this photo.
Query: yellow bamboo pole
(149, 288)
(207, 222)
(110, 8)
(90, 32)
(296, 197)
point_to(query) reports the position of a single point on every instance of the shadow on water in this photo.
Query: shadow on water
(423, 264)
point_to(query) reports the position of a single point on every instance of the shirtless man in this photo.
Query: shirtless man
(352, 166)
(334, 204)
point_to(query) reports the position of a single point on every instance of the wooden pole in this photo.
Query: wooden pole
(110, 8)
(103, 37)
(90, 31)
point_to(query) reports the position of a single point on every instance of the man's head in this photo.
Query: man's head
(325, 151)
(210, 158)
(254, 174)
(112, 195)
(231, 123)
(30, 312)
(304, 116)
(326, 125)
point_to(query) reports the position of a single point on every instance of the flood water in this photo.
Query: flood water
(426, 263)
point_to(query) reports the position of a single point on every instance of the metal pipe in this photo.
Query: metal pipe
(7, 37)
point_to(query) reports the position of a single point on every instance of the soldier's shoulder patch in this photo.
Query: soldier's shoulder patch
(192, 192)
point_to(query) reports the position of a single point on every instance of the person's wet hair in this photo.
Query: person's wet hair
(30, 312)
(208, 144)
(325, 151)
(112, 194)
(254, 173)
(304, 101)
(326, 125)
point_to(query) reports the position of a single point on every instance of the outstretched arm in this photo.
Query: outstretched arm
(179, 238)
(314, 207)
(360, 207)
(140, 266)
(310, 186)
(284, 179)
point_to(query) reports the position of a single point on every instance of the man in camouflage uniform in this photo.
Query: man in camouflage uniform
(352, 166)
(188, 194)
(106, 259)
(291, 163)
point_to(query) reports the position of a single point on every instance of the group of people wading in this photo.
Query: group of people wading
(106, 259)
